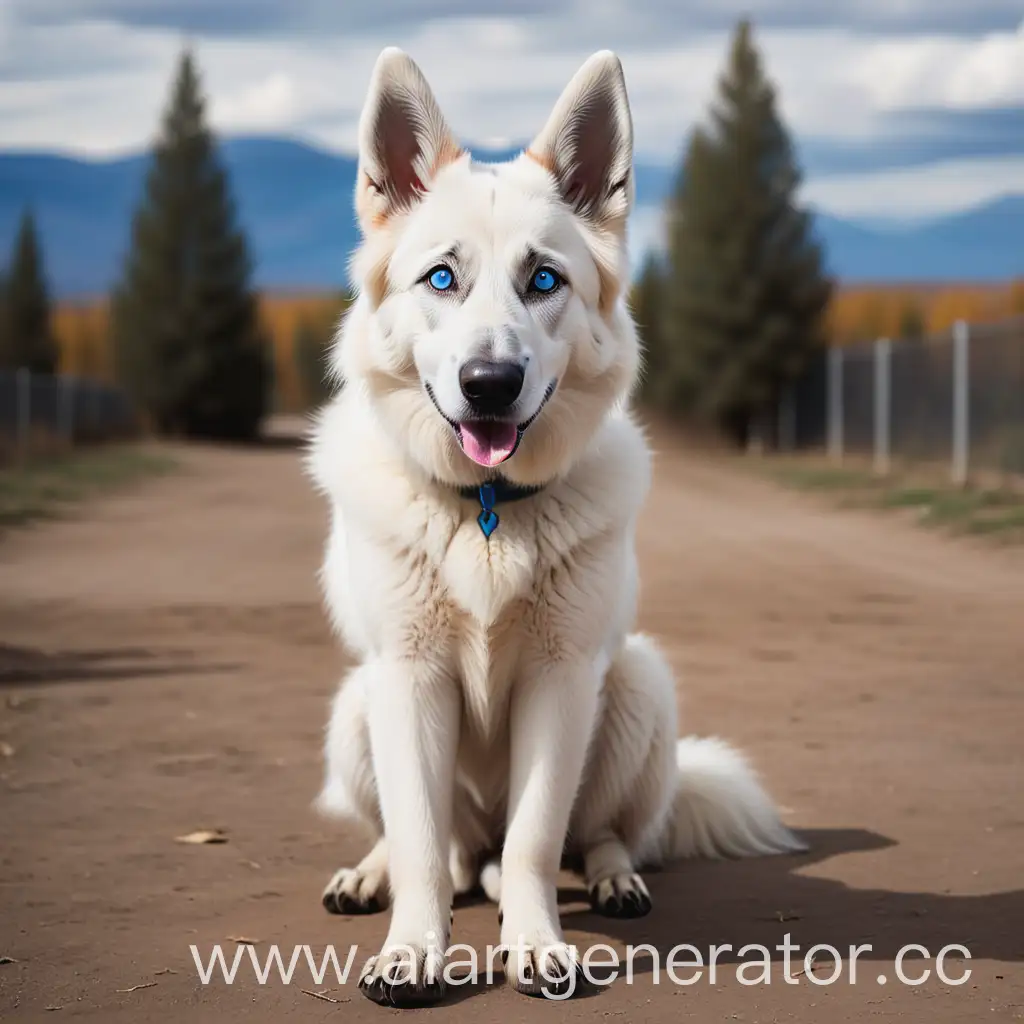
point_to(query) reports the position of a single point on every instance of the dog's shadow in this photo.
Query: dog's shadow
(736, 903)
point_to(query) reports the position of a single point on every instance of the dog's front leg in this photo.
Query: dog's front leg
(552, 718)
(414, 723)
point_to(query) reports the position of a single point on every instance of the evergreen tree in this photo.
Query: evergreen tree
(186, 334)
(747, 292)
(646, 302)
(27, 337)
(5, 361)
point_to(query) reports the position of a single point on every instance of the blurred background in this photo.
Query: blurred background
(809, 179)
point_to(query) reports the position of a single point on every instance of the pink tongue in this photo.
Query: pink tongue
(488, 444)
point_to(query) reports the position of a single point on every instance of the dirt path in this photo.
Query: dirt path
(164, 667)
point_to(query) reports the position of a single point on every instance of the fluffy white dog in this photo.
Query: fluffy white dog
(484, 477)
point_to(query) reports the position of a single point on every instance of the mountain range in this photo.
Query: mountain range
(295, 203)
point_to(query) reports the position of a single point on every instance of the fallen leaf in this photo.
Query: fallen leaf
(809, 968)
(202, 836)
(53, 1007)
(317, 995)
(6, 750)
(135, 988)
(7, 960)
(242, 940)
(164, 970)
(782, 916)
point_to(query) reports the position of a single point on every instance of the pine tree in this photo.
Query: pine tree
(747, 293)
(187, 340)
(646, 302)
(27, 337)
(5, 361)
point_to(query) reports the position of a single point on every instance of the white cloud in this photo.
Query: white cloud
(98, 87)
(267, 104)
(496, 76)
(917, 192)
(944, 72)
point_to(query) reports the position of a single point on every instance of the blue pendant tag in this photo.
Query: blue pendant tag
(488, 518)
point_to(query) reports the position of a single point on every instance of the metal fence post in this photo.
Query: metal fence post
(883, 363)
(23, 403)
(835, 403)
(961, 410)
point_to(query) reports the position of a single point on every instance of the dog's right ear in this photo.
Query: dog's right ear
(403, 140)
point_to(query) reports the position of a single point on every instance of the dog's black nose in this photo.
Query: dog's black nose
(490, 387)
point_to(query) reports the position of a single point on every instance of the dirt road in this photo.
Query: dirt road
(165, 667)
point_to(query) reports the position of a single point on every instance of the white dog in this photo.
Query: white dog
(484, 477)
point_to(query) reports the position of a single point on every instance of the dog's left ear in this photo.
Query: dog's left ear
(404, 140)
(587, 143)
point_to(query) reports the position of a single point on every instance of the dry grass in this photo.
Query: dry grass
(992, 508)
(40, 489)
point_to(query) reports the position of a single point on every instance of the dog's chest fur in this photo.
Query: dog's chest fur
(409, 574)
(484, 595)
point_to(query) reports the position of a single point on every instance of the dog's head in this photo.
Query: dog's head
(491, 331)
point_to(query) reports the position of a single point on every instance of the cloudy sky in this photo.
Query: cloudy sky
(901, 108)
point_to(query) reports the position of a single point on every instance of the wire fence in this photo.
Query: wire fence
(42, 412)
(955, 397)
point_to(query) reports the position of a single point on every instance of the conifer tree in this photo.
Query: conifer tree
(26, 336)
(747, 291)
(187, 340)
(646, 300)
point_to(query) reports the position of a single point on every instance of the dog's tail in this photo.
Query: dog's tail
(721, 808)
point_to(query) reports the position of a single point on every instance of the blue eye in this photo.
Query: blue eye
(545, 280)
(441, 279)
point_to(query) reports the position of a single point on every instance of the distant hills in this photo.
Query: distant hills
(295, 201)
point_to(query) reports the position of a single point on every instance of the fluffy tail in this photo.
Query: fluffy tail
(721, 809)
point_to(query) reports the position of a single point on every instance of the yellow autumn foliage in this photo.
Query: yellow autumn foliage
(857, 314)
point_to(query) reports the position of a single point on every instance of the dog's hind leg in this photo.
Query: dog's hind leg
(630, 779)
(648, 797)
(350, 792)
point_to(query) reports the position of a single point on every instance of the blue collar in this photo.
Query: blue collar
(490, 493)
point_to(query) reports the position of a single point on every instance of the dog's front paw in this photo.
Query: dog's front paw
(543, 968)
(352, 891)
(622, 896)
(404, 976)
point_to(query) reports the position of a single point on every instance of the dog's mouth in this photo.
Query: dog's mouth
(490, 442)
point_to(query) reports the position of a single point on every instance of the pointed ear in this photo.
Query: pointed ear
(403, 140)
(587, 143)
